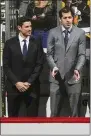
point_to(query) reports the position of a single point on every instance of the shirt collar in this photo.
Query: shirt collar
(21, 38)
(63, 28)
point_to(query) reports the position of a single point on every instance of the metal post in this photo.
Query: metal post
(7, 19)
(58, 8)
(0, 69)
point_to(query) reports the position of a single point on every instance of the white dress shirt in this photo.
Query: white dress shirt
(22, 42)
(63, 29)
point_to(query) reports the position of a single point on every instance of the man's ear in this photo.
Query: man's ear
(59, 20)
(19, 27)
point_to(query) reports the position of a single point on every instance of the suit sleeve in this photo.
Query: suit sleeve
(29, 12)
(50, 50)
(81, 52)
(39, 63)
(6, 64)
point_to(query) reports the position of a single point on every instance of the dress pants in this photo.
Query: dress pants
(57, 94)
(23, 104)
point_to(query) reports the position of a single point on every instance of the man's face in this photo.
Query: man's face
(25, 29)
(66, 19)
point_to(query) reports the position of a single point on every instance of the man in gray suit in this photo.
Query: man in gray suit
(66, 57)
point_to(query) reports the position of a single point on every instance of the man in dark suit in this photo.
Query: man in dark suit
(22, 63)
(66, 57)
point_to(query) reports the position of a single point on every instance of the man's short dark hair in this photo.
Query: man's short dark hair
(66, 9)
(23, 19)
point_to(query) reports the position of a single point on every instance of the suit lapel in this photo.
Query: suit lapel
(18, 46)
(30, 45)
(72, 37)
(61, 37)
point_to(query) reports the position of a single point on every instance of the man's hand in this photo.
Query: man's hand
(54, 72)
(21, 87)
(76, 75)
(27, 84)
(34, 17)
(42, 15)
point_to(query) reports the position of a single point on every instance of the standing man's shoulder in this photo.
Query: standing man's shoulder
(53, 30)
(79, 30)
(11, 40)
(35, 39)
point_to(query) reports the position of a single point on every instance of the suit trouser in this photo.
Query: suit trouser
(27, 104)
(57, 93)
(24, 103)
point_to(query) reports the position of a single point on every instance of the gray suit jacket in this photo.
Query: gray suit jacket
(66, 60)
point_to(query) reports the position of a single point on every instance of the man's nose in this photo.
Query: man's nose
(67, 19)
(30, 28)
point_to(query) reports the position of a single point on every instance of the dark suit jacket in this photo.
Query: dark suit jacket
(66, 60)
(18, 68)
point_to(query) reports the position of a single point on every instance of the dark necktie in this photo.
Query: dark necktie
(66, 38)
(24, 48)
